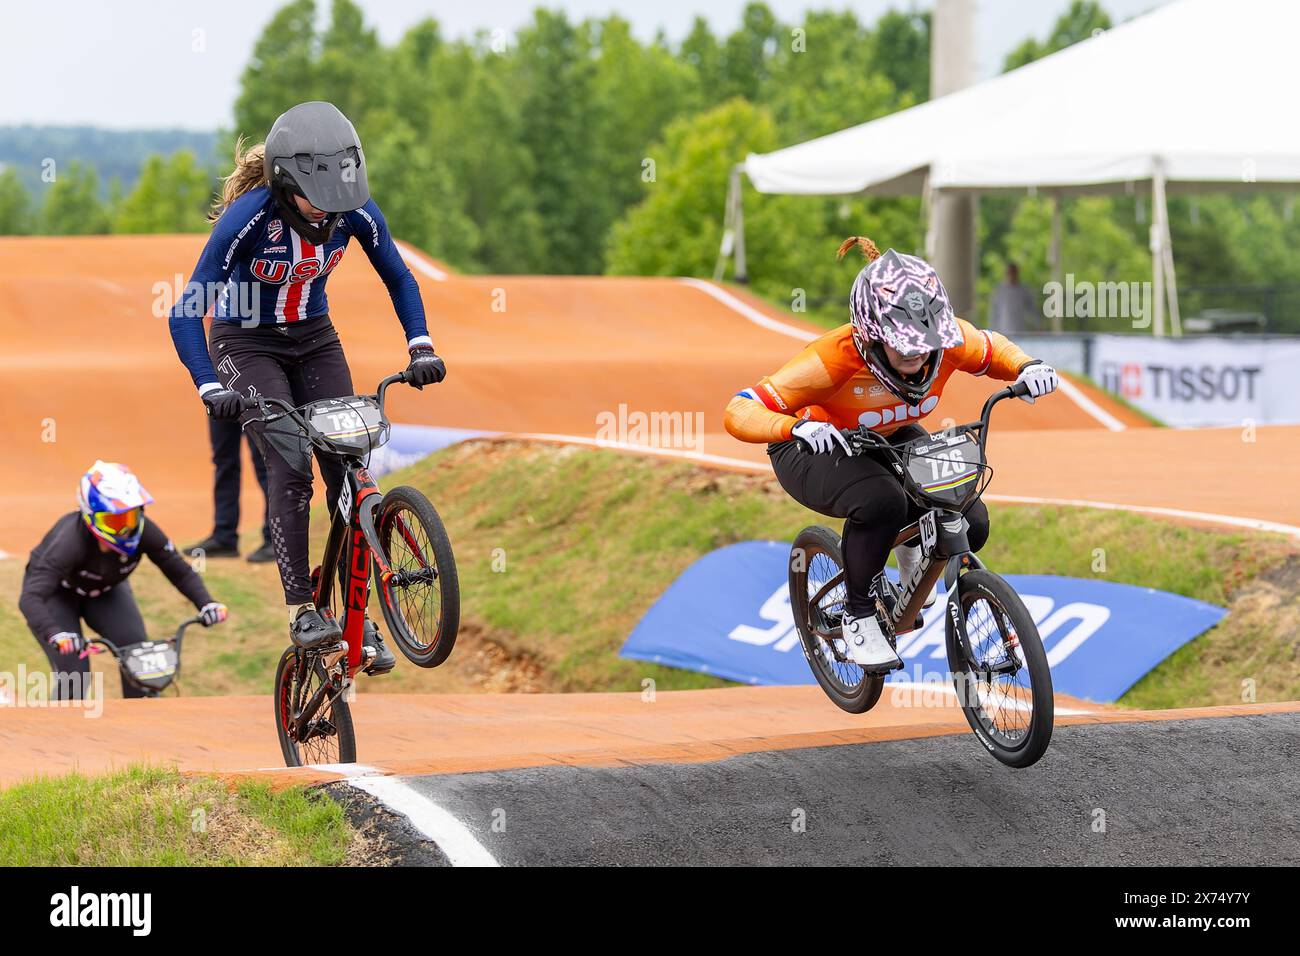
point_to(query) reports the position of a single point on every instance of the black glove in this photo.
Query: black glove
(224, 403)
(425, 368)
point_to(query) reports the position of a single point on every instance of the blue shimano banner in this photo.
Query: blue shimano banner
(409, 443)
(728, 614)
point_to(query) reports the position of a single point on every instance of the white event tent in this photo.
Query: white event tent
(1194, 96)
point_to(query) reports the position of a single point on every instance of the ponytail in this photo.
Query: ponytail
(249, 173)
(868, 248)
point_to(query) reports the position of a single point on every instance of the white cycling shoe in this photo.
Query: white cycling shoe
(908, 559)
(867, 645)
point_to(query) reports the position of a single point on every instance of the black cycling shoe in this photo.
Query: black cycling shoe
(263, 555)
(210, 547)
(309, 630)
(384, 659)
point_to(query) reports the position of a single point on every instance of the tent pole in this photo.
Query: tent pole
(953, 67)
(738, 224)
(1167, 249)
(727, 243)
(1157, 243)
(1058, 267)
(927, 204)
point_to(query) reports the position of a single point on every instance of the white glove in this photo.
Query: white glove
(1041, 379)
(68, 642)
(213, 613)
(820, 437)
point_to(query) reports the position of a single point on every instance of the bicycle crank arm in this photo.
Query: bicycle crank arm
(333, 655)
(309, 710)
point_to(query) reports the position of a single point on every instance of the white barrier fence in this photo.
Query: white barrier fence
(1187, 382)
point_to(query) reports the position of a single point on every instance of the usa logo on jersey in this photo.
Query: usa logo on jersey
(275, 230)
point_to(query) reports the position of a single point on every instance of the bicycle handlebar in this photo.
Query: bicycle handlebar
(174, 639)
(1017, 390)
(263, 402)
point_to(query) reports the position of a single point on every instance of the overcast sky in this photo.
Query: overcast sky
(133, 63)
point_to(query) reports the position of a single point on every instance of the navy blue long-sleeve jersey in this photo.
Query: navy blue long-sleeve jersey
(257, 270)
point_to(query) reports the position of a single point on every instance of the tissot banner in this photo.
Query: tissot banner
(1203, 380)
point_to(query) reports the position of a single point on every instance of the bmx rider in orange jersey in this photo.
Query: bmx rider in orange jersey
(885, 369)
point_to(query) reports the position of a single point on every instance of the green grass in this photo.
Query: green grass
(146, 816)
(561, 550)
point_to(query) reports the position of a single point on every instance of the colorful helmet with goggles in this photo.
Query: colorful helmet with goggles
(898, 300)
(112, 504)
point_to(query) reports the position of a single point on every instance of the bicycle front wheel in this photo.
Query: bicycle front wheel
(329, 736)
(1000, 671)
(421, 600)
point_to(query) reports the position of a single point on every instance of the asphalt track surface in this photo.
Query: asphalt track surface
(1210, 792)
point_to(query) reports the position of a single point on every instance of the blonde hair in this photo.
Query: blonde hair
(868, 248)
(249, 173)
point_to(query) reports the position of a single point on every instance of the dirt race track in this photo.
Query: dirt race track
(86, 361)
(89, 371)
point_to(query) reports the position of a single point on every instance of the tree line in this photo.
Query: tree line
(575, 147)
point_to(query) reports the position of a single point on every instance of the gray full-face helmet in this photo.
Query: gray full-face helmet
(313, 151)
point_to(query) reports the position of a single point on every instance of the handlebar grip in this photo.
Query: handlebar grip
(1019, 390)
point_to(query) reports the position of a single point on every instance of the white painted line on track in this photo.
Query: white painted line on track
(1076, 395)
(749, 312)
(641, 449)
(1255, 524)
(452, 837)
(1068, 388)
(419, 263)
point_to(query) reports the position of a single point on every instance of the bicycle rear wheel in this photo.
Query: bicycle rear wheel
(421, 601)
(815, 562)
(330, 737)
(1000, 670)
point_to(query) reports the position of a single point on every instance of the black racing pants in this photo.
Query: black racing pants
(226, 438)
(299, 363)
(112, 615)
(865, 492)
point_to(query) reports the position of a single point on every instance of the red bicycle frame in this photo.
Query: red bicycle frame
(353, 543)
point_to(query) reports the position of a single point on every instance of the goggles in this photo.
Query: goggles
(120, 525)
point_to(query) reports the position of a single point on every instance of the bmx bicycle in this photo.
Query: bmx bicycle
(399, 536)
(995, 656)
(149, 666)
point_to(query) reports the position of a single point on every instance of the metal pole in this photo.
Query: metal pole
(952, 216)
(1058, 268)
(728, 243)
(738, 224)
(1157, 242)
(1167, 246)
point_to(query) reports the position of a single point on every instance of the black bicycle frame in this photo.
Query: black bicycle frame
(942, 533)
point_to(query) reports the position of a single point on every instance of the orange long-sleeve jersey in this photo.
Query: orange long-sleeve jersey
(830, 377)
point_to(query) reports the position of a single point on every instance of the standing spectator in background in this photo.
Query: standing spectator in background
(1013, 308)
(226, 437)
